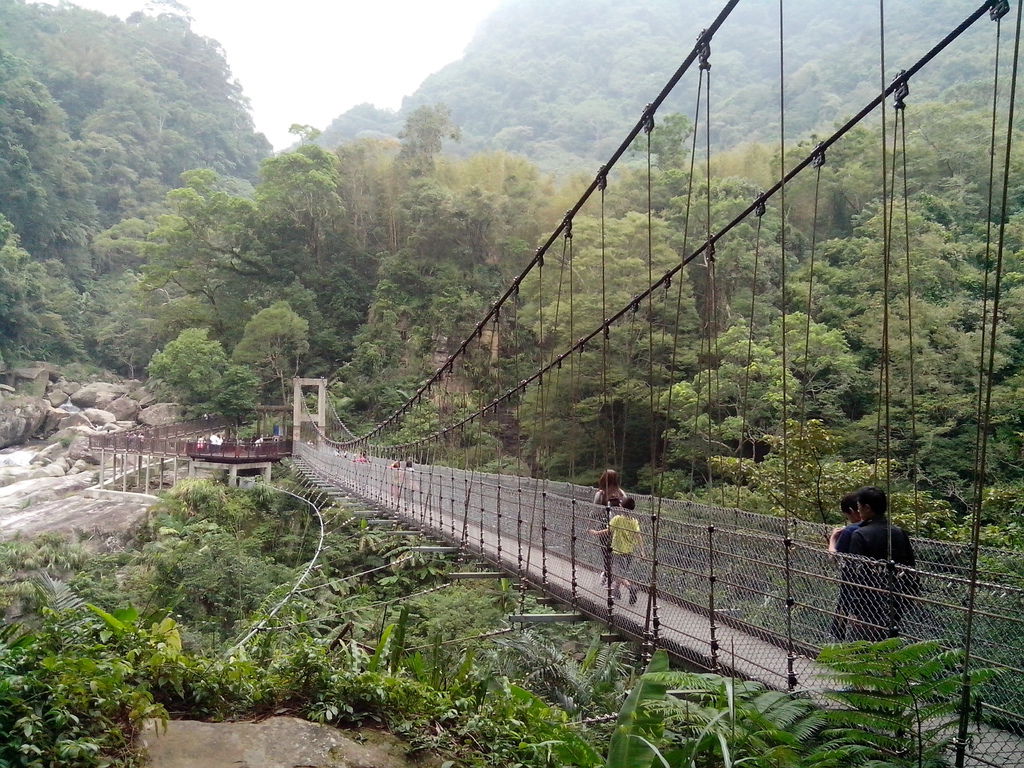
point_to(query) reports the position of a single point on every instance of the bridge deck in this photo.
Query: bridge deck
(542, 538)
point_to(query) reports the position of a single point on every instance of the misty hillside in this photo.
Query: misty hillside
(561, 81)
(106, 115)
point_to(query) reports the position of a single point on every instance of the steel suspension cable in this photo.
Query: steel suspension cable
(766, 195)
(911, 356)
(745, 398)
(791, 680)
(603, 186)
(298, 582)
(810, 293)
(984, 424)
(599, 180)
(679, 284)
(698, 388)
(884, 429)
(648, 637)
(658, 475)
(573, 426)
(988, 239)
(711, 308)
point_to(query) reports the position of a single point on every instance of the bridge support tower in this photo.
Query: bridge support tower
(299, 413)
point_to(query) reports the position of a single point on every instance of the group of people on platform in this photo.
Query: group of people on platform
(215, 439)
(874, 588)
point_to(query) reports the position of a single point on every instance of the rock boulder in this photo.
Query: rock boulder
(33, 379)
(54, 417)
(160, 414)
(123, 408)
(50, 453)
(20, 418)
(99, 417)
(99, 394)
(57, 398)
(144, 397)
(75, 420)
(275, 743)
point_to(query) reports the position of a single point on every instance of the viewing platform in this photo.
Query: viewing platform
(239, 451)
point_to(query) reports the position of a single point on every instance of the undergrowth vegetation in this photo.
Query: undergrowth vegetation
(379, 635)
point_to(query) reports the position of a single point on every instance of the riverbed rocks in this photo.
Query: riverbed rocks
(99, 417)
(159, 414)
(20, 418)
(32, 379)
(41, 482)
(99, 394)
(42, 486)
(56, 398)
(37, 401)
(124, 408)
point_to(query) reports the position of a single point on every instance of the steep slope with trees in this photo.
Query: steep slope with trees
(99, 118)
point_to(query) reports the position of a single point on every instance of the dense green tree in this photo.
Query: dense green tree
(34, 304)
(122, 329)
(423, 137)
(274, 342)
(237, 395)
(190, 367)
(44, 188)
(202, 251)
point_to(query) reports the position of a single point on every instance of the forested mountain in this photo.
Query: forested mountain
(560, 81)
(834, 340)
(370, 263)
(98, 120)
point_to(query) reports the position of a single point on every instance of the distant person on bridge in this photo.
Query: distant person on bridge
(839, 543)
(880, 592)
(624, 532)
(397, 469)
(609, 494)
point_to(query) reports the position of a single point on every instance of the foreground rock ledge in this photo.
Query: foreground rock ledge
(278, 742)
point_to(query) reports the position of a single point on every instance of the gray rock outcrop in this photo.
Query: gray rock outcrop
(54, 416)
(79, 450)
(99, 394)
(99, 417)
(277, 742)
(32, 379)
(159, 414)
(43, 487)
(56, 398)
(75, 420)
(124, 408)
(20, 418)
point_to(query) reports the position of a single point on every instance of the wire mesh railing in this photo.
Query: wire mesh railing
(716, 595)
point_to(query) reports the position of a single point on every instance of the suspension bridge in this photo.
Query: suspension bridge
(720, 588)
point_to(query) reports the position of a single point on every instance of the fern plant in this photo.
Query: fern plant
(898, 702)
(585, 685)
(717, 721)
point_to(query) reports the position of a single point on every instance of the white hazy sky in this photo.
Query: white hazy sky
(307, 61)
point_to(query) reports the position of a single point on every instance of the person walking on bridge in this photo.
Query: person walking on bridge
(839, 544)
(623, 532)
(882, 586)
(609, 495)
